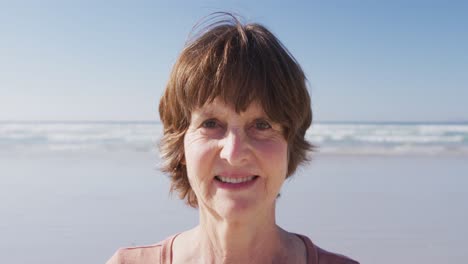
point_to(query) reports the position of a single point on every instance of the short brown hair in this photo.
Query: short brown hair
(238, 63)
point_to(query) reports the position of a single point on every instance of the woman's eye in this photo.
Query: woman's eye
(209, 124)
(262, 125)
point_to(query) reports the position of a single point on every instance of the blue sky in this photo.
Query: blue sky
(365, 60)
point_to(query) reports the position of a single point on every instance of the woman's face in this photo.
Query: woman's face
(236, 162)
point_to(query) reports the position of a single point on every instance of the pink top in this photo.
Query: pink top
(161, 253)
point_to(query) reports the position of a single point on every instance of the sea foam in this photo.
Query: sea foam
(332, 138)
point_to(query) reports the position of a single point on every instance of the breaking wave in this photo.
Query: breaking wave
(333, 138)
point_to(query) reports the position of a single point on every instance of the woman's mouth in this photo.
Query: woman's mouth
(235, 180)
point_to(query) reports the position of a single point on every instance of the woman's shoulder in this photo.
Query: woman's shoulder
(320, 256)
(140, 254)
(157, 253)
(326, 257)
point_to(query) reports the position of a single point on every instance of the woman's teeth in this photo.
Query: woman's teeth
(235, 180)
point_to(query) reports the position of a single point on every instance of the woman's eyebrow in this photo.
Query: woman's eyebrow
(205, 113)
(202, 114)
(213, 111)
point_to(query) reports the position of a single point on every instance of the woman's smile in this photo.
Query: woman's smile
(234, 180)
(235, 184)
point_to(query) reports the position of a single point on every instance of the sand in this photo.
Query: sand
(80, 207)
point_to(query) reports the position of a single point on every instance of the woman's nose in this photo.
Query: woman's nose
(234, 147)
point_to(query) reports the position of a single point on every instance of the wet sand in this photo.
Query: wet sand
(80, 207)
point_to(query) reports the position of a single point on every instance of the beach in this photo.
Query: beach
(81, 205)
(86, 85)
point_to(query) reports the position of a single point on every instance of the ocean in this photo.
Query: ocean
(331, 138)
(74, 192)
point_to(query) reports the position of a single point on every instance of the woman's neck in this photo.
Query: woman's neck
(255, 240)
(228, 242)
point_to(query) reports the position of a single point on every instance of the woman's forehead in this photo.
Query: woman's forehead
(220, 106)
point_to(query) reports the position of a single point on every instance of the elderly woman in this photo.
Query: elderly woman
(235, 113)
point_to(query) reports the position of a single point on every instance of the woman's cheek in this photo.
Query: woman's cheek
(273, 149)
(199, 153)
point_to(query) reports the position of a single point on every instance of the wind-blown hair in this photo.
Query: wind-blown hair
(238, 63)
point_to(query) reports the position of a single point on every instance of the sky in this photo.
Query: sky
(386, 61)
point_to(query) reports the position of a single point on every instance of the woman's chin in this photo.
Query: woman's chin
(238, 209)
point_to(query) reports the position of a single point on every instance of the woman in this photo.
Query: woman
(235, 113)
